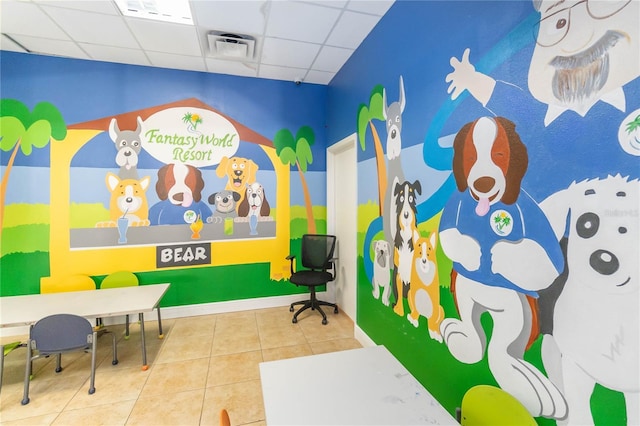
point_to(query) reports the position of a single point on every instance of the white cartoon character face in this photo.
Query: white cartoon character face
(584, 50)
(602, 253)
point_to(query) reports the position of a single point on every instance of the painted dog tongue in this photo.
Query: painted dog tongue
(483, 206)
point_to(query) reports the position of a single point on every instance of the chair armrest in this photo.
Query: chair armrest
(332, 267)
(291, 258)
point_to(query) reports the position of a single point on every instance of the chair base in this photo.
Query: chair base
(314, 304)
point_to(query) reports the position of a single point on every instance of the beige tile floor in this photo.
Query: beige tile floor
(202, 365)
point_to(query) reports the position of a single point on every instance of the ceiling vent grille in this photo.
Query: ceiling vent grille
(226, 45)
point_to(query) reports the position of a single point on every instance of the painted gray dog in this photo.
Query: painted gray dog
(128, 143)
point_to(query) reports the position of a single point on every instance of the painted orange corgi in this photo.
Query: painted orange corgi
(424, 293)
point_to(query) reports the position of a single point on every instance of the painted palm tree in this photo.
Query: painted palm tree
(24, 130)
(298, 152)
(366, 115)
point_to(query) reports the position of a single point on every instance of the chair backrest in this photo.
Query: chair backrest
(224, 418)
(491, 406)
(61, 333)
(317, 251)
(70, 283)
(120, 279)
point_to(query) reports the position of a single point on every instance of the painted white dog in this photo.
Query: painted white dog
(596, 321)
(381, 271)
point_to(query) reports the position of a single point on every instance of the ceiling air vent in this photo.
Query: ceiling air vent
(226, 45)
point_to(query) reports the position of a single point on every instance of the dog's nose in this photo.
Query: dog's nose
(237, 172)
(254, 195)
(484, 184)
(128, 200)
(127, 153)
(225, 200)
(393, 134)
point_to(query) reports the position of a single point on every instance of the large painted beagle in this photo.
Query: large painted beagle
(503, 249)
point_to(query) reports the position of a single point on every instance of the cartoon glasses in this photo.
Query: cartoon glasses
(551, 29)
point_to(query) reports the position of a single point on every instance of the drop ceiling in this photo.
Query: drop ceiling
(305, 41)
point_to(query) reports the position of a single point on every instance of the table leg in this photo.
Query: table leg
(144, 345)
(1, 364)
(160, 335)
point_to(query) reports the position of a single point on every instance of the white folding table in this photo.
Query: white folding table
(24, 310)
(366, 386)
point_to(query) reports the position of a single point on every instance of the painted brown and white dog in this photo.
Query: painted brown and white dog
(406, 233)
(255, 203)
(128, 199)
(503, 251)
(240, 172)
(179, 188)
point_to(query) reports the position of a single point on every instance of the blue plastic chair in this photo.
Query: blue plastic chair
(58, 334)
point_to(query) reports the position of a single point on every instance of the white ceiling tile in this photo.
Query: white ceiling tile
(232, 67)
(331, 58)
(7, 44)
(351, 29)
(301, 21)
(24, 18)
(339, 4)
(294, 39)
(95, 28)
(181, 62)
(166, 37)
(375, 7)
(107, 7)
(243, 17)
(288, 53)
(115, 54)
(275, 72)
(47, 46)
(319, 77)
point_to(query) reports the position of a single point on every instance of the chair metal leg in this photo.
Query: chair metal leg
(94, 346)
(314, 304)
(27, 374)
(58, 363)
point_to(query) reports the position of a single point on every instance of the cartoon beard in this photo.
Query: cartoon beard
(578, 78)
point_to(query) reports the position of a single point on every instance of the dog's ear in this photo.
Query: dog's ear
(518, 161)
(212, 198)
(114, 131)
(139, 128)
(112, 181)
(265, 209)
(161, 186)
(252, 169)
(236, 196)
(195, 182)
(221, 170)
(417, 187)
(459, 145)
(144, 182)
(433, 239)
(243, 208)
(396, 188)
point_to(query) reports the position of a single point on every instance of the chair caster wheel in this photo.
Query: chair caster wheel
(295, 320)
(291, 309)
(92, 391)
(335, 311)
(324, 321)
(58, 370)
(115, 362)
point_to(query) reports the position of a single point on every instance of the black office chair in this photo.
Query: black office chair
(317, 257)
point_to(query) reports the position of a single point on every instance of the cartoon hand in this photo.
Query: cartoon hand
(461, 248)
(525, 263)
(465, 77)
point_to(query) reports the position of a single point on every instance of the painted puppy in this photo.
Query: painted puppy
(382, 270)
(407, 231)
(128, 143)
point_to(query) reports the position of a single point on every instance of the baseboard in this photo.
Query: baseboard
(362, 337)
(192, 310)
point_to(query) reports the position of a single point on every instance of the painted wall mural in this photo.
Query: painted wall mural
(527, 190)
(175, 191)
